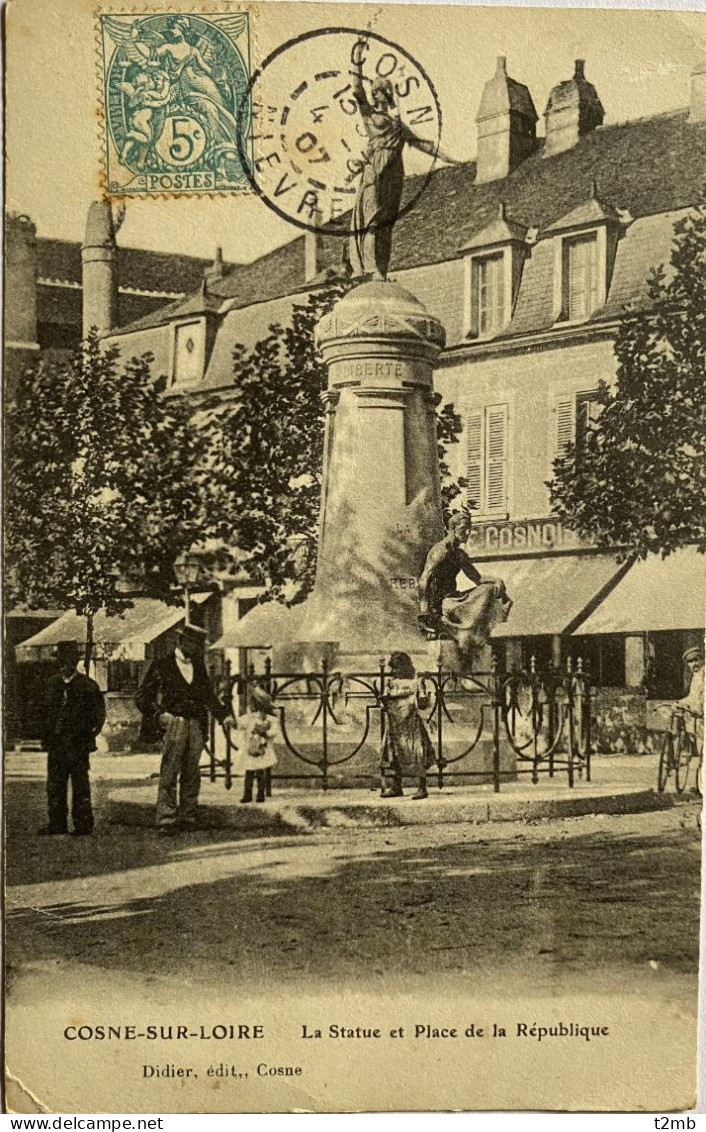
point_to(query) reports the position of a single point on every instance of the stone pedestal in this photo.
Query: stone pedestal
(381, 498)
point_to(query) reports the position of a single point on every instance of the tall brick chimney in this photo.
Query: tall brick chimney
(100, 275)
(697, 106)
(214, 273)
(507, 126)
(21, 337)
(573, 109)
(20, 281)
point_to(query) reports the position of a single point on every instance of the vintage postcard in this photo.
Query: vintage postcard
(354, 573)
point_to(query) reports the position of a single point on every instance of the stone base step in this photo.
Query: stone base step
(306, 811)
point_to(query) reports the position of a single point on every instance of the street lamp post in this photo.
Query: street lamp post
(187, 569)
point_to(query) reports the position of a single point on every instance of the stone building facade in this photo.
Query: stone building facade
(44, 307)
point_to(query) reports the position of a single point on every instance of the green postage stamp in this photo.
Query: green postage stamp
(175, 89)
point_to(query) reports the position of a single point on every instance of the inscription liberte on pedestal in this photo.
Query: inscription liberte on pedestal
(371, 369)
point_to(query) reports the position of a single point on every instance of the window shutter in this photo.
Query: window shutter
(496, 446)
(475, 296)
(588, 409)
(474, 458)
(499, 292)
(592, 275)
(485, 295)
(564, 424)
(577, 279)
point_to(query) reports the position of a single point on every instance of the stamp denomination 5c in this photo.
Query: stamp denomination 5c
(175, 89)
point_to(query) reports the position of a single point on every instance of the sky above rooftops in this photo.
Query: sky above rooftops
(639, 62)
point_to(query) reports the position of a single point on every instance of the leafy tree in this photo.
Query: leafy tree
(449, 427)
(637, 481)
(267, 445)
(102, 483)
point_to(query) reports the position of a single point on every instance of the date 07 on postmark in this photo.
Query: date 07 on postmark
(175, 88)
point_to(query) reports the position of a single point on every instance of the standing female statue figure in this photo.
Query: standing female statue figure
(377, 203)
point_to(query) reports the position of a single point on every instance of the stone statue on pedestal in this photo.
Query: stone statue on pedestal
(465, 616)
(379, 195)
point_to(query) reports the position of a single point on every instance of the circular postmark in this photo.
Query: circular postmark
(316, 101)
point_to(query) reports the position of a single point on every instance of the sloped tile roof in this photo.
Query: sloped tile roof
(137, 267)
(240, 287)
(61, 306)
(498, 231)
(159, 317)
(591, 211)
(277, 273)
(199, 302)
(646, 244)
(652, 165)
(534, 309)
(646, 166)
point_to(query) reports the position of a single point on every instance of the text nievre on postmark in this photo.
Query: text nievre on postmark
(175, 87)
(309, 141)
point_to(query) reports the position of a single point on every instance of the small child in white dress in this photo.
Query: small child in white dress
(255, 738)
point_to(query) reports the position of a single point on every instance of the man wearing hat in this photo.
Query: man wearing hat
(693, 701)
(74, 715)
(175, 698)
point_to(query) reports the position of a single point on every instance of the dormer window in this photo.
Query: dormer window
(580, 271)
(494, 259)
(189, 357)
(585, 243)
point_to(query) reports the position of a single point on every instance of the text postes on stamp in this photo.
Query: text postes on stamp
(176, 95)
(311, 128)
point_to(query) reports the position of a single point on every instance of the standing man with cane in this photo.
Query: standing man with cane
(175, 698)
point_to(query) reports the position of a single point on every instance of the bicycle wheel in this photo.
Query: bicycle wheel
(666, 761)
(682, 759)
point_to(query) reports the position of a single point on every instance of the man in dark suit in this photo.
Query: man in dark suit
(73, 716)
(175, 698)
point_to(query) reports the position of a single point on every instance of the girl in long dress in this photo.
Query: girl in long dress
(255, 741)
(406, 747)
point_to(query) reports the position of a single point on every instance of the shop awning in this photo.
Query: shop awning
(121, 637)
(551, 594)
(263, 625)
(657, 593)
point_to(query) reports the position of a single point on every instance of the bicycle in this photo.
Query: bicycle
(678, 749)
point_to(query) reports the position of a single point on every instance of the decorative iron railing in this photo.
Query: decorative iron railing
(522, 722)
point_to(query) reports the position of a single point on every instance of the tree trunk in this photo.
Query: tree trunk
(89, 644)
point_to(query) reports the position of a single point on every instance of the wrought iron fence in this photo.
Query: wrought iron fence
(523, 722)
